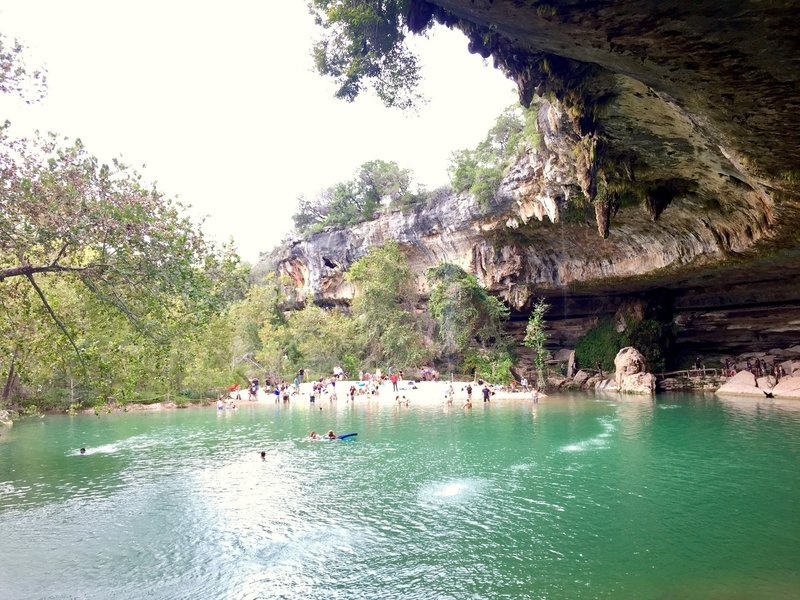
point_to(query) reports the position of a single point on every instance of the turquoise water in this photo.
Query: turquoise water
(578, 497)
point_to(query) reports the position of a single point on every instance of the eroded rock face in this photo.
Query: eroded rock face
(668, 165)
(629, 361)
(536, 237)
(639, 383)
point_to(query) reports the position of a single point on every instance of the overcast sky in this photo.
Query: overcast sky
(219, 101)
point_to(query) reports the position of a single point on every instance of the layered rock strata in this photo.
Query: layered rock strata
(667, 173)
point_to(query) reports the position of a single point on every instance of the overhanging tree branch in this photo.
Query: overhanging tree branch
(28, 270)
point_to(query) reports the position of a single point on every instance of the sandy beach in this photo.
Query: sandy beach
(421, 392)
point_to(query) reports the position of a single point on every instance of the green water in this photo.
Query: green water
(578, 497)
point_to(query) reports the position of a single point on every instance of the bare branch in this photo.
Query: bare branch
(28, 270)
(60, 254)
(55, 318)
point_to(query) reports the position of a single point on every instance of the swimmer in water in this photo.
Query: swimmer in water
(314, 435)
(83, 450)
(263, 455)
(330, 435)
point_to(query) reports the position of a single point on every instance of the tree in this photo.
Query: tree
(384, 309)
(70, 225)
(90, 252)
(481, 170)
(383, 183)
(376, 183)
(66, 214)
(15, 76)
(536, 338)
(315, 339)
(364, 46)
(467, 316)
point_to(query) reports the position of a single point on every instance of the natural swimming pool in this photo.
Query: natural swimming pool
(577, 497)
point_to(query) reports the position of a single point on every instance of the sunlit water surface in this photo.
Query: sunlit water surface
(578, 497)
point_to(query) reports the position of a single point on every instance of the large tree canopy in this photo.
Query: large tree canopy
(364, 46)
(103, 280)
(66, 213)
(92, 256)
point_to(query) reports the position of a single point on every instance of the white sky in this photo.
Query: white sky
(219, 100)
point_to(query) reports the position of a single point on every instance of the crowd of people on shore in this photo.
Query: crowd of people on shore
(368, 384)
(758, 368)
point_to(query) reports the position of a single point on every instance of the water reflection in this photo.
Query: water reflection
(635, 414)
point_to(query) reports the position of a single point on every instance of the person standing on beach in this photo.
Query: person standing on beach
(486, 392)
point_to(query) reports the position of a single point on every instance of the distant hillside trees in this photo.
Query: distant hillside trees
(376, 184)
(384, 308)
(481, 170)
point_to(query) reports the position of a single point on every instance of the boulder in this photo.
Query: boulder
(592, 382)
(639, 383)
(581, 377)
(571, 365)
(629, 361)
(564, 355)
(5, 418)
(607, 385)
(765, 383)
(790, 366)
(556, 382)
(787, 387)
(670, 384)
(743, 383)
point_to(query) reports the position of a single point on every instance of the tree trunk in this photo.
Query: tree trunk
(10, 380)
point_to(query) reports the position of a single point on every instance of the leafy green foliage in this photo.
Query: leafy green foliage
(467, 317)
(600, 346)
(536, 338)
(481, 170)
(376, 184)
(103, 280)
(313, 338)
(491, 364)
(364, 46)
(384, 308)
(653, 339)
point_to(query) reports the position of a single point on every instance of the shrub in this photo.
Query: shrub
(599, 346)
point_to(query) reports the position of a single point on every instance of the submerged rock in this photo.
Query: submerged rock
(639, 383)
(787, 387)
(743, 383)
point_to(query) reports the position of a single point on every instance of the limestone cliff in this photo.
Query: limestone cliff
(667, 173)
